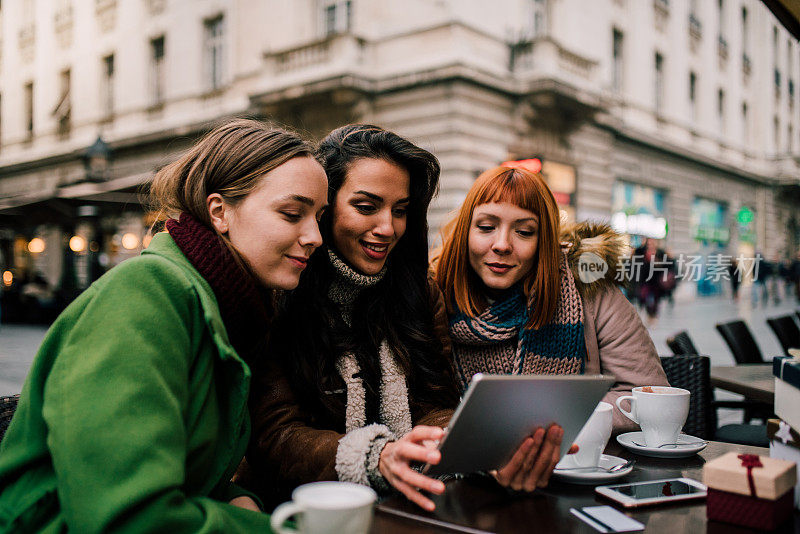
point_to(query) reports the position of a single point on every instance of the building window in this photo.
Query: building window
(63, 109)
(157, 71)
(617, 65)
(789, 139)
(776, 133)
(659, 86)
(745, 125)
(745, 41)
(693, 95)
(721, 110)
(29, 109)
(214, 52)
(107, 89)
(1, 120)
(539, 18)
(338, 16)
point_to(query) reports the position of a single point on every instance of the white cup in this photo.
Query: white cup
(327, 508)
(592, 438)
(660, 411)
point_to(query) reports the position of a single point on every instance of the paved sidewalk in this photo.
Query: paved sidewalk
(18, 346)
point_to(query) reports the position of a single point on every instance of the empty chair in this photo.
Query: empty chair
(692, 372)
(741, 342)
(7, 407)
(681, 343)
(786, 331)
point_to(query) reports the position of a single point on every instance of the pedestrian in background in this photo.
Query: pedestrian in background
(133, 417)
(654, 267)
(735, 277)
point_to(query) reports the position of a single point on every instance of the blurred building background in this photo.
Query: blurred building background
(674, 119)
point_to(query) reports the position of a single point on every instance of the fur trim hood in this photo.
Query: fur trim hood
(601, 240)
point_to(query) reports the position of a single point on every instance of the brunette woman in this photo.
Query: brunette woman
(133, 417)
(358, 381)
(520, 303)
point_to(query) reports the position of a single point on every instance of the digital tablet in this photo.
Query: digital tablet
(499, 411)
(654, 492)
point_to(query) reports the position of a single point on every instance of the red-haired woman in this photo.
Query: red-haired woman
(518, 302)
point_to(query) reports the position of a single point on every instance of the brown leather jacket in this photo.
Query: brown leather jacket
(290, 446)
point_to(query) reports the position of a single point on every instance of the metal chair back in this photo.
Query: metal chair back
(741, 342)
(786, 331)
(681, 343)
(693, 373)
(8, 405)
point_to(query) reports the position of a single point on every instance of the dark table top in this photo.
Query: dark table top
(754, 381)
(479, 503)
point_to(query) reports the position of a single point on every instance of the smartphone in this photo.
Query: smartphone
(652, 492)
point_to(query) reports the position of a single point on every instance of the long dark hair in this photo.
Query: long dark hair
(310, 336)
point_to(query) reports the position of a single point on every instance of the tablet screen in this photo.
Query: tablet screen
(653, 490)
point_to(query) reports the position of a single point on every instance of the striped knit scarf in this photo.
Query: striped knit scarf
(497, 342)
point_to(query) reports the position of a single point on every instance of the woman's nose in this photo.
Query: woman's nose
(501, 244)
(311, 236)
(384, 226)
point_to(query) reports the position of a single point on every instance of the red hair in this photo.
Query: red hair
(461, 286)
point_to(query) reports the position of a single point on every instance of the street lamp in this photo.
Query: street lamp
(96, 160)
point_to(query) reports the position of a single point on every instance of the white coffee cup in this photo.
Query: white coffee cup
(592, 438)
(660, 411)
(327, 508)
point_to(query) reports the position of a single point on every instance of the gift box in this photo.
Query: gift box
(787, 389)
(749, 490)
(784, 444)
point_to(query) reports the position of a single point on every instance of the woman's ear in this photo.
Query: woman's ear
(218, 211)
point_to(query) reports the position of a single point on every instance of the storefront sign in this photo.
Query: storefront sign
(643, 224)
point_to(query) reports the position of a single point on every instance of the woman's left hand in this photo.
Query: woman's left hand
(534, 461)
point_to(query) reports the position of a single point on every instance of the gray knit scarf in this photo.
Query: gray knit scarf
(348, 284)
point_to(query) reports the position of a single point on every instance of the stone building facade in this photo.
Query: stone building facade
(676, 119)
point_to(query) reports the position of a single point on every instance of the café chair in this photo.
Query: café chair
(8, 406)
(741, 342)
(786, 331)
(681, 343)
(693, 373)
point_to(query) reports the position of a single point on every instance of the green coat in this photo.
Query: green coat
(133, 417)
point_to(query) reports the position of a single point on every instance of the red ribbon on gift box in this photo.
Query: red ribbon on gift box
(750, 461)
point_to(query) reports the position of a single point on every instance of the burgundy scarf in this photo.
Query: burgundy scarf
(245, 305)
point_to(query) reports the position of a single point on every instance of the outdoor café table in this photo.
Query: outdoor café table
(754, 381)
(479, 503)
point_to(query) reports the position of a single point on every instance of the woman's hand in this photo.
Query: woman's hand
(534, 461)
(419, 445)
(243, 501)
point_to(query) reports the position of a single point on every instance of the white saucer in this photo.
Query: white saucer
(692, 446)
(593, 476)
